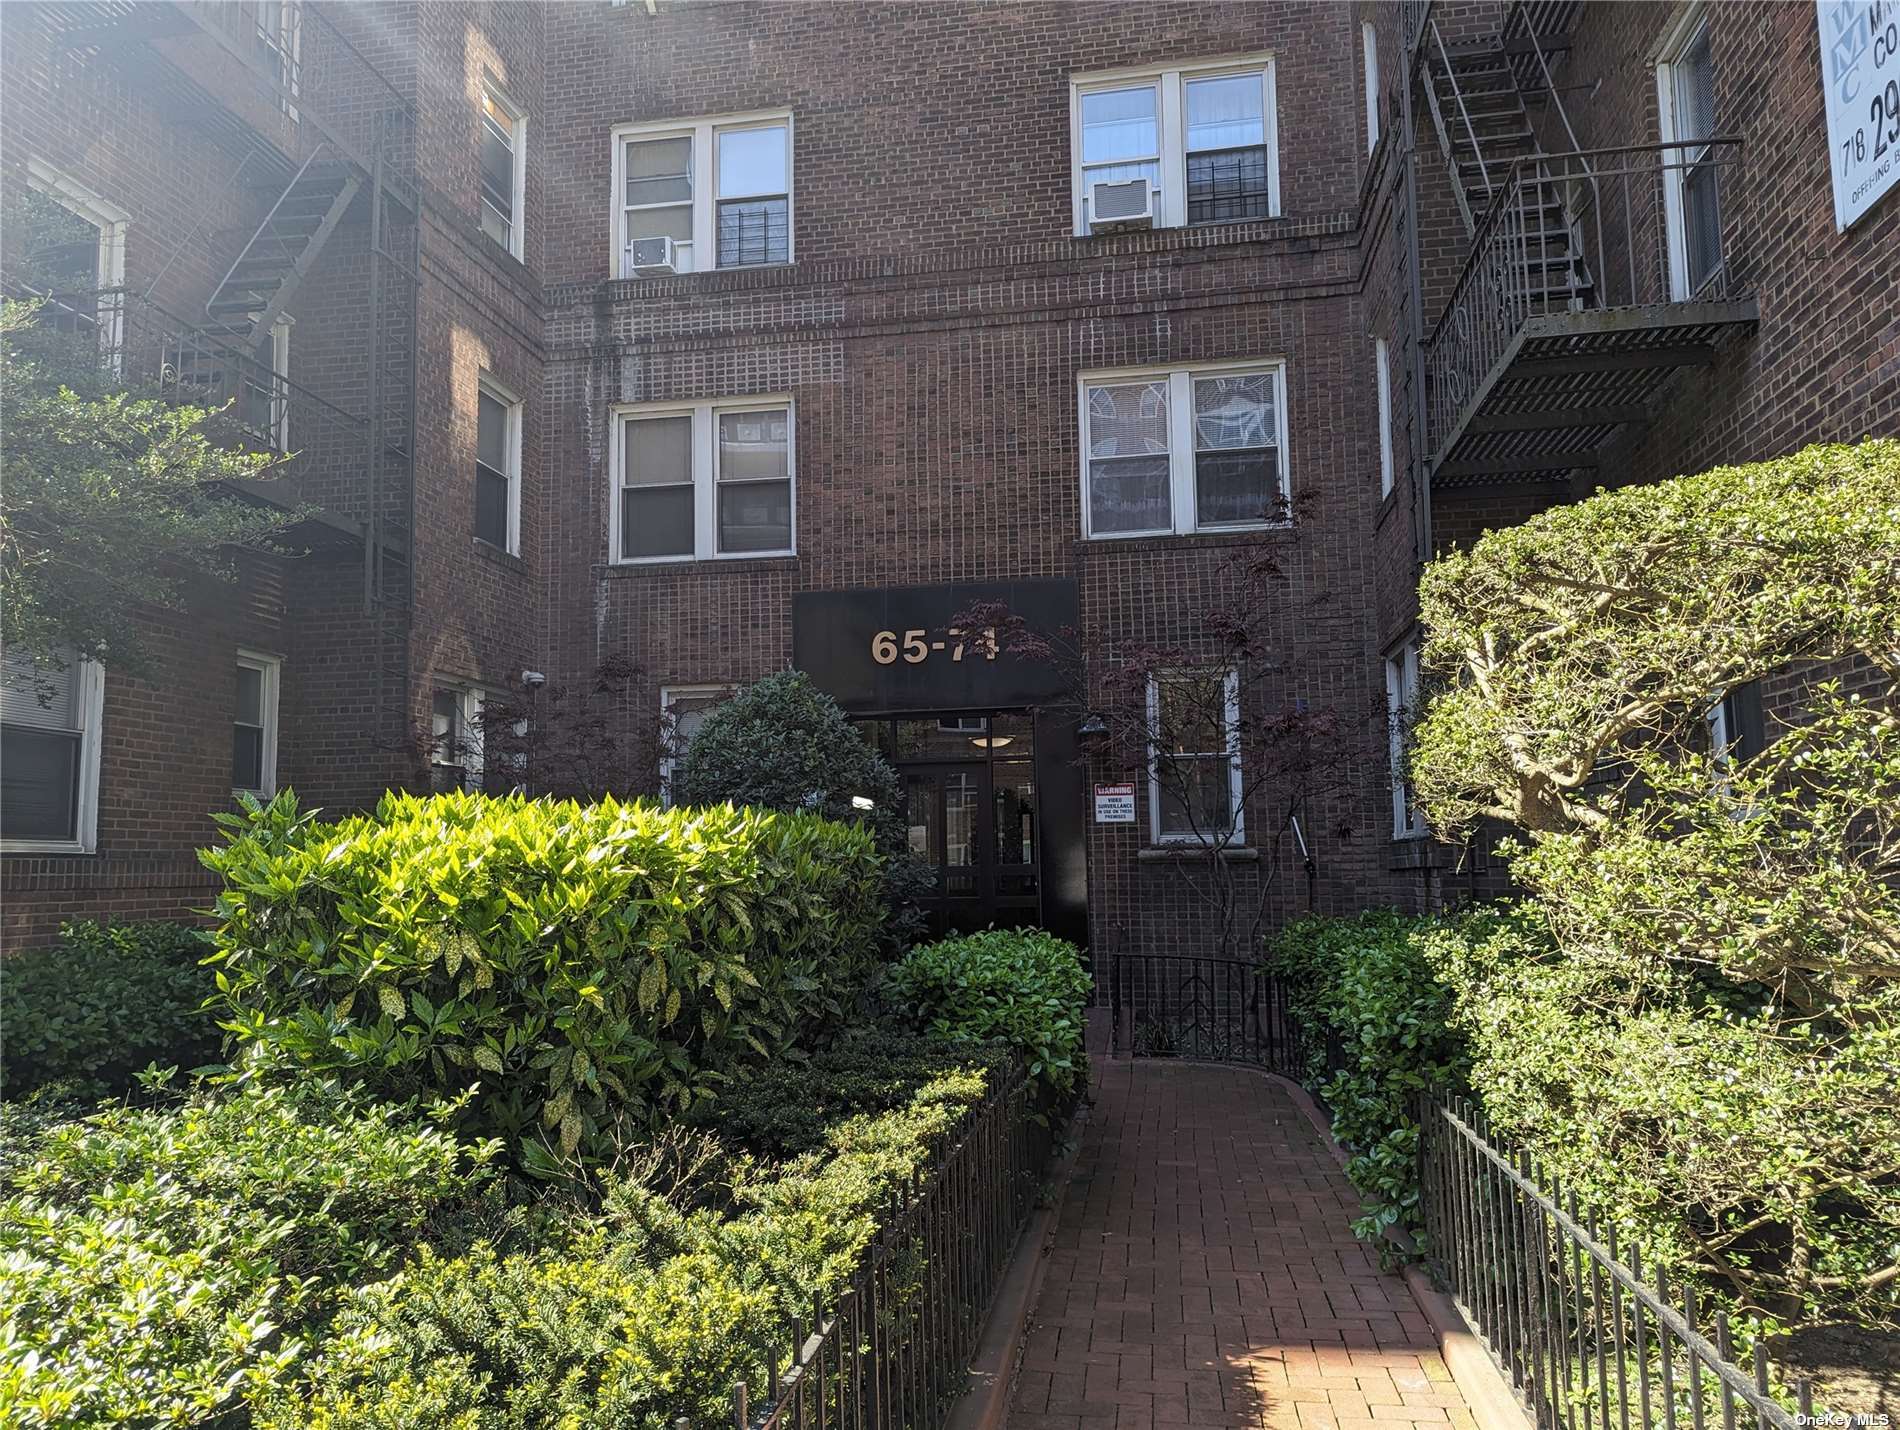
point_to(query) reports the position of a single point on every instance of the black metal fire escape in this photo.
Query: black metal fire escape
(1570, 310)
(318, 156)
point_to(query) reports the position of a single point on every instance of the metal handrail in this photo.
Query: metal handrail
(1516, 270)
(1444, 143)
(264, 225)
(1464, 113)
(889, 1352)
(1567, 1321)
(1520, 18)
(1520, 14)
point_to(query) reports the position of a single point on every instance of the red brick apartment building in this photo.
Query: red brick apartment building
(703, 340)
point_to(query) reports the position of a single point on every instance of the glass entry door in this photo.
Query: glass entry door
(970, 788)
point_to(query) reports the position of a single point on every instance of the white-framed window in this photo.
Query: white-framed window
(1194, 770)
(49, 755)
(276, 42)
(71, 251)
(1382, 375)
(1184, 450)
(720, 189)
(254, 724)
(683, 709)
(1685, 101)
(704, 481)
(497, 466)
(264, 390)
(1369, 42)
(503, 167)
(1736, 729)
(456, 755)
(1401, 705)
(1203, 136)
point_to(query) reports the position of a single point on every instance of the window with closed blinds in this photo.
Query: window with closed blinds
(704, 481)
(44, 749)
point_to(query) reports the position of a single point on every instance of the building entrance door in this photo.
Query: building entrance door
(970, 789)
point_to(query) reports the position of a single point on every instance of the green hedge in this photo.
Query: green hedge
(302, 1255)
(1023, 987)
(87, 1014)
(789, 1108)
(1364, 989)
(159, 1263)
(647, 1314)
(587, 968)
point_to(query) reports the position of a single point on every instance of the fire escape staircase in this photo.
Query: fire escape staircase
(1565, 321)
(267, 272)
(238, 72)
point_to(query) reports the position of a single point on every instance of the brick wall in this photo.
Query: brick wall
(933, 355)
(344, 736)
(930, 333)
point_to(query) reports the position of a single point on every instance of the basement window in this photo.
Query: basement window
(701, 194)
(704, 481)
(49, 755)
(1177, 452)
(455, 738)
(1204, 138)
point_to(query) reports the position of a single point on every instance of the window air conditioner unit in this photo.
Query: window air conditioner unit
(650, 255)
(1125, 203)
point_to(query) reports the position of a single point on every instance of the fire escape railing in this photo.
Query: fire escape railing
(1568, 233)
(1414, 15)
(141, 348)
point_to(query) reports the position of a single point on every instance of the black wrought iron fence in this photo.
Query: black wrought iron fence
(1217, 1009)
(892, 1352)
(1587, 1336)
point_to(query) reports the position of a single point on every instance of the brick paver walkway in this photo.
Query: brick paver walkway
(1204, 1275)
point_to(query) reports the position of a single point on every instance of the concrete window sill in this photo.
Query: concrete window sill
(507, 560)
(1165, 853)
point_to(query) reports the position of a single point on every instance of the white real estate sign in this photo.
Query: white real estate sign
(1860, 75)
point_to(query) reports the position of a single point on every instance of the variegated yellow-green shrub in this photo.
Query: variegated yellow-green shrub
(587, 968)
